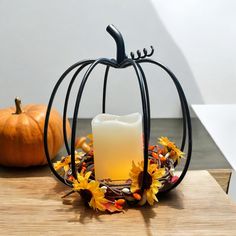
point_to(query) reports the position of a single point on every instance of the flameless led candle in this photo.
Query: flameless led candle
(117, 141)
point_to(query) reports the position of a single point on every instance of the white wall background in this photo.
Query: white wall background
(196, 39)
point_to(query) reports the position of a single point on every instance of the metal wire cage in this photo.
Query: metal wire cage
(121, 62)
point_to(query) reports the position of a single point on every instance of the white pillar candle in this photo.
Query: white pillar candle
(117, 140)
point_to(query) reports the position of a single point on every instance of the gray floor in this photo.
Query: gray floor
(205, 154)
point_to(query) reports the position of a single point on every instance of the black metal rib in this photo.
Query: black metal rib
(66, 103)
(145, 85)
(186, 114)
(146, 118)
(148, 99)
(145, 105)
(45, 138)
(105, 89)
(77, 104)
(182, 109)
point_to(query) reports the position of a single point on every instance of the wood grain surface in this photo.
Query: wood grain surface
(32, 206)
(222, 177)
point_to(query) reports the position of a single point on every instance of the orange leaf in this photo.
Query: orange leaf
(155, 155)
(151, 147)
(111, 207)
(137, 196)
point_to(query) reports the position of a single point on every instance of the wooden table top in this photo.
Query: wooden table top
(32, 206)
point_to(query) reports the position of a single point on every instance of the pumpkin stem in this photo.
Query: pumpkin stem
(120, 45)
(18, 105)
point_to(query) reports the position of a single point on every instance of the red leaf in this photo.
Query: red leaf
(174, 179)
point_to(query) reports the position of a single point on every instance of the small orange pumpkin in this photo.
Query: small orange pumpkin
(21, 135)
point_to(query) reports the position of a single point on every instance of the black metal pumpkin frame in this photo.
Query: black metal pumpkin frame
(121, 62)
